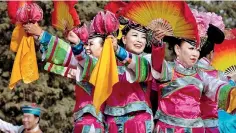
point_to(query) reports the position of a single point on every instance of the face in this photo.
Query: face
(187, 54)
(135, 41)
(29, 121)
(94, 47)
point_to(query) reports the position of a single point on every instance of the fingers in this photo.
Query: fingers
(159, 34)
(111, 36)
(72, 33)
(27, 27)
(33, 29)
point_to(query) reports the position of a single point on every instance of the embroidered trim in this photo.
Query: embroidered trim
(182, 122)
(132, 107)
(88, 109)
(211, 122)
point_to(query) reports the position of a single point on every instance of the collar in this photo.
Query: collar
(205, 63)
(180, 68)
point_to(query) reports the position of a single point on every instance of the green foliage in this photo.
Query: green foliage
(55, 94)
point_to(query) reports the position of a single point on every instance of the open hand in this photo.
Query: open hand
(159, 34)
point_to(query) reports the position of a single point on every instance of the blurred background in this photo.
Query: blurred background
(55, 94)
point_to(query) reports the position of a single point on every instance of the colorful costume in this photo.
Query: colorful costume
(209, 108)
(61, 60)
(126, 112)
(9, 128)
(223, 61)
(227, 122)
(179, 95)
(210, 34)
(128, 109)
(74, 62)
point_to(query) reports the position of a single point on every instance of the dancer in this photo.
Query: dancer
(73, 62)
(128, 109)
(179, 97)
(210, 35)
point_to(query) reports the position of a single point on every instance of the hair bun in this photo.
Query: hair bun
(215, 35)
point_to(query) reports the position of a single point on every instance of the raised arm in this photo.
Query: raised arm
(55, 49)
(8, 127)
(161, 69)
(220, 91)
(158, 62)
(138, 67)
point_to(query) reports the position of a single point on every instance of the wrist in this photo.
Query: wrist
(40, 32)
(117, 49)
(78, 41)
(41, 35)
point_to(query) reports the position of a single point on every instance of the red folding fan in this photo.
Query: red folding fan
(174, 17)
(64, 15)
(225, 55)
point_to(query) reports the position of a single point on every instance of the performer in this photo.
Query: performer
(209, 108)
(210, 33)
(30, 121)
(227, 121)
(61, 59)
(183, 84)
(85, 114)
(128, 109)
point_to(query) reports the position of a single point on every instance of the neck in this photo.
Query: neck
(182, 64)
(206, 60)
(34, 129)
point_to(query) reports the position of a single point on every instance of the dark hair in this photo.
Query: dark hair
(131, 25)
(100, 36)
(215, 36)
(147, 49)
(134, 26)
(172, 41)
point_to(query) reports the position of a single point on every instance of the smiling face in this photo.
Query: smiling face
(29, 121)
(187, 54)
(94, 46)
(135, 41)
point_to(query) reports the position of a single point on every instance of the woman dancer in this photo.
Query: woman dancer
(182, 86)
(73, 62)
(128, 109)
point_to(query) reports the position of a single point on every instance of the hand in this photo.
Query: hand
(114, 42)
(73, 38)
(159, 34)
(233, 77)
(33, 29)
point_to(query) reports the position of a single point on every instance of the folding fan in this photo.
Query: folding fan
(225, 56)
(115, 7)
(64, 15)
(174, 17)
